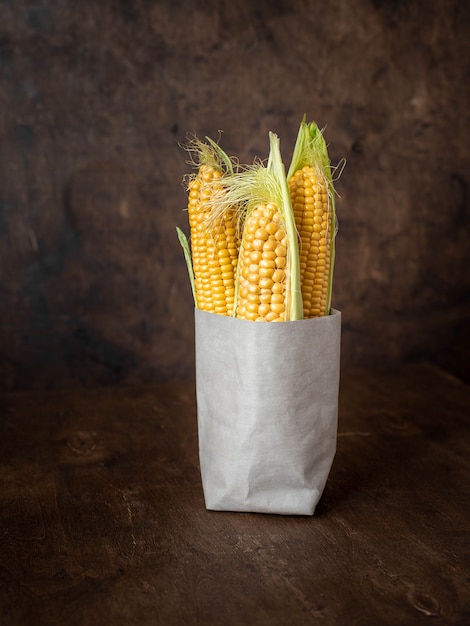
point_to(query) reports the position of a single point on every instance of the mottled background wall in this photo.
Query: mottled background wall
(96, 96)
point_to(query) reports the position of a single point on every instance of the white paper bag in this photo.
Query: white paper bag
(267, 402)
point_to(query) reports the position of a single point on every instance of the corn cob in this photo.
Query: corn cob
(214, 240)
(312, 196)
(268, 271)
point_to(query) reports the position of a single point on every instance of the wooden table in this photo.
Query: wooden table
(102, 519)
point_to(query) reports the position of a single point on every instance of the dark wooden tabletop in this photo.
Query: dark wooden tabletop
(102, 518)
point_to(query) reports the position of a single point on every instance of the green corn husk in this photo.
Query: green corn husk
(276, 166)
(187, 256)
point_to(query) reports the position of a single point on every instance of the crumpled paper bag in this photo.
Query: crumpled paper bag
(267, 410)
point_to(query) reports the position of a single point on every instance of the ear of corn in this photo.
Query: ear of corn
(312, 195)
(268, 269)
(214, 239)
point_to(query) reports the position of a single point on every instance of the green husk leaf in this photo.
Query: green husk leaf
(298, 156)
(187, 255)
(222, 155)
(276, 165)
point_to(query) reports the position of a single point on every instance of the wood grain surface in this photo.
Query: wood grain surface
(95, 98)
(102, 519)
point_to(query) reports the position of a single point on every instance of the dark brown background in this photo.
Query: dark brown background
(96, 96)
